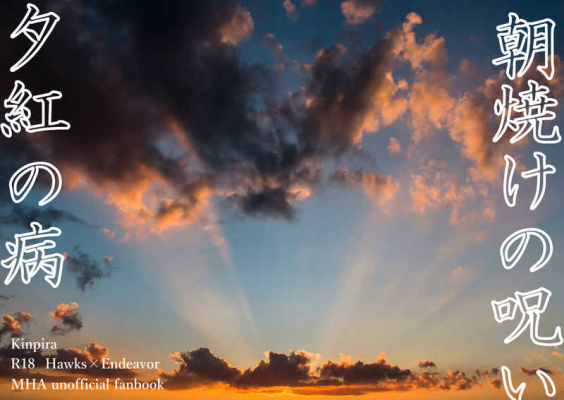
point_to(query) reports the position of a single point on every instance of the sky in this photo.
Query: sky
(280, 198)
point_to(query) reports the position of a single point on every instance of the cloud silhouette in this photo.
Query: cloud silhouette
(67, 317)
(296, 370)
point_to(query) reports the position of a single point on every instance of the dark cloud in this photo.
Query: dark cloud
(7, 353)
(458, 380)
(361, 373)
(199, 367)
(531, 372)
(86, 270)
(486, 375)
(279, 370)
(268, 202)
(427, 364)
(67, 317)
(12, 325)
(5, 297)
(295, 370)
(341, 94)
(495, 383)
(494, 371)
(23, 215)
(158, 96)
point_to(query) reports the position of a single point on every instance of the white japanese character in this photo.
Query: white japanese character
(531, 305)
(31, 170)
(520, 41)
(47, 23)
(526, 114)
(27, 256)
(510, 189)
(524, 235)
(19, 116)
(517, 394)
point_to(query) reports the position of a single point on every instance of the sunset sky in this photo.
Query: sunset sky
(290, 198)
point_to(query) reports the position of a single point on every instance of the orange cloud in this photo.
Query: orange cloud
(429, 104)
(12, 325)
(431, 51)
(238, 28)
(438, 188)
(470, 126)
(357, 12)
(67, 318)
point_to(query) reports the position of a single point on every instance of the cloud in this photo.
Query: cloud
(468, 117)
(5, 297)
(495, 383)
(94, 351)
(357, 12)
(12, 325)
(430, 52)
(238, 27)
(361, 373)
(458, 380)
(137, 137)
(7, 353)
(427, 364)
(108, 234)
(486, 375)
(429, 100)
(179, 131)
(430, 105)
(67, 317)
(291, 10)
(86, 270)
(436, 187)
(472, 128)
(269, 40)
(278, 370)
(349, 96)
(268, 202)
(188, 122)
(532, 372)
(23, 215)
(198, 367)
(473, 122)
(297, 370)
